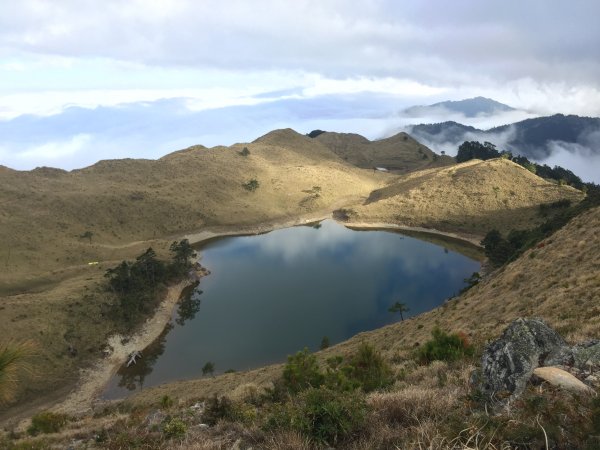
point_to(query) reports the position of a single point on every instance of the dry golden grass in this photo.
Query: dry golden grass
(560, 284)
(399, 153)
(129, 205)
(122, 202)
(471, 197)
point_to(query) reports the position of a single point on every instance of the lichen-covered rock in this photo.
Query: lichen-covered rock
(586, 355)
(507, 363)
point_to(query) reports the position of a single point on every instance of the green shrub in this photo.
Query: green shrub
(217, 409)
(174, 428)
(368, 368)
(208, 368)
(473, 280)
(337, 375)
(444, 347)
(166, 402)
(244, 152)
(47, 422)
(280, 416)
(301, 372)
(324, 415)
(328, 416)
(251, 185)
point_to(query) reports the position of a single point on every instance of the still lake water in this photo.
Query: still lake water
(271, 295)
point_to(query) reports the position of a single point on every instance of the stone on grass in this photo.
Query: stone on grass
(562, 379)
(508, 362)
(586, 356)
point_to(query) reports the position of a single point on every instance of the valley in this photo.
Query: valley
(65, 229)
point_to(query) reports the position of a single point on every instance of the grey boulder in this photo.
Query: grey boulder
(508, 363)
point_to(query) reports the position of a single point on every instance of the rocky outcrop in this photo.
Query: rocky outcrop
(507, 363)
(586, 356)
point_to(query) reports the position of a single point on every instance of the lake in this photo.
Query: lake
(273, 294)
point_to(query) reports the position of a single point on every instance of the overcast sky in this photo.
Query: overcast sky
(82, 80)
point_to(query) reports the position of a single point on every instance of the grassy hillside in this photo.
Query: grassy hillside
(48, 291)
(400, 153)
(45, 211)
(428, 405)
(54, 223)
(471, 197)
(541, 283)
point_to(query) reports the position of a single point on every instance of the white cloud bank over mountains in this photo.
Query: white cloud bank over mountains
(86, 80)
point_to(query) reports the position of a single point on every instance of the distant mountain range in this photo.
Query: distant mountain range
(471, 107)
(533, 138)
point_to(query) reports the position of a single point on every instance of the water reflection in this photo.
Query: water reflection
(271, 295)
(132, 377)
(189, 305)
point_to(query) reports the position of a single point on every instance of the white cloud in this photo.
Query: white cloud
(50, 152)
(388, 85)
(437, 42)
(359, 63)
(580, 159)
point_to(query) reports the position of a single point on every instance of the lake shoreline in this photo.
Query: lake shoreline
(209, 246)
(209, 234)
(93, 380)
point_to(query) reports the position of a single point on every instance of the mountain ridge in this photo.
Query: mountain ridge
(530, 137)
(64, 231)
(470, 107)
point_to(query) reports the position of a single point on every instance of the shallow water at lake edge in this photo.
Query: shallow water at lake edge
(270, 295)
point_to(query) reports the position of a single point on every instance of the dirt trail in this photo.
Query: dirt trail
(94, 379)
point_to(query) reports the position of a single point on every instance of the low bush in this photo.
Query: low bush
(302, 371)
(166, 402)
(323, 415)
(368, 369)
(217, 409)
(327, 416)
(251, 185)
(47, 422)
(343, 215)
(174, 428)
(444, 347)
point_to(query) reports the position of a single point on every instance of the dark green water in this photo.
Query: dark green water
(270, 295)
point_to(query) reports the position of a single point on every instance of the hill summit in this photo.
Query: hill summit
(470, 107)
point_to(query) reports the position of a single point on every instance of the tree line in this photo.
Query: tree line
(476, 150)
(503, 249)
(138, 284)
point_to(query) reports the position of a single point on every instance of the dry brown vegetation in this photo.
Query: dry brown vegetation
(559, 283)
(471, 198)
(399, 153)
(545, 285)
(48, 290)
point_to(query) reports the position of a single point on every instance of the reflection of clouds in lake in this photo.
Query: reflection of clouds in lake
(271, 295)
(412, 256)
(304, 242)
